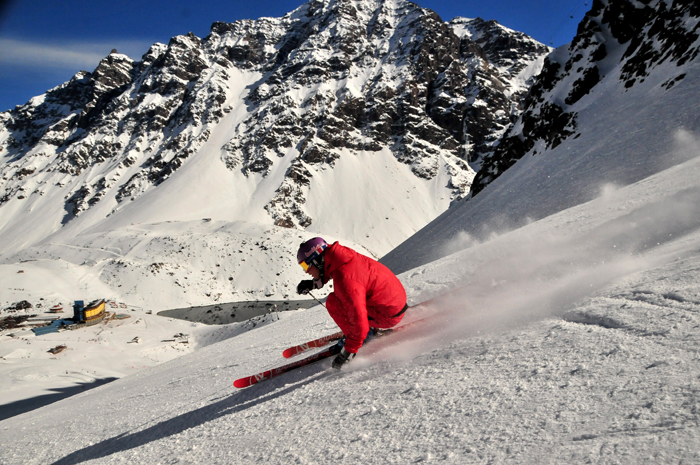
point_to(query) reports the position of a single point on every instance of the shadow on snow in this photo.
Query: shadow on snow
(27, 405)
(230, 404)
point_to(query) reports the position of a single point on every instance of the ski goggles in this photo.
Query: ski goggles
(309, 262)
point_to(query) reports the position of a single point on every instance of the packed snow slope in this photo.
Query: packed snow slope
(571, 340)
(612, 107)
(31, 376)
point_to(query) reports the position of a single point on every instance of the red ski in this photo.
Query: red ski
(253, 379)
(250, 380)
(320, 342)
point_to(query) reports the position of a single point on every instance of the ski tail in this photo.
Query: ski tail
(256, 378)
(396, 329)
(320, 342)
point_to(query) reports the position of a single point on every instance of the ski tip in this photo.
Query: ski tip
(242, 383)
(289, 353)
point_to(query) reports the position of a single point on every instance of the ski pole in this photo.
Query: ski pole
(317, 299)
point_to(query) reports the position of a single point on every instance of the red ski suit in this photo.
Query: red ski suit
(364, 289)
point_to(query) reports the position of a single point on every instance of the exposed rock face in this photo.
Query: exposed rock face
(651, 32)
(333, 77)
(497, 87)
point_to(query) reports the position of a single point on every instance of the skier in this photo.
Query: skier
(367, 296)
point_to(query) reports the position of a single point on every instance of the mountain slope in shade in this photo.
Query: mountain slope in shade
(637, 117)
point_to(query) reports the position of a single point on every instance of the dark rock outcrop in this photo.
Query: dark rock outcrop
(651, 33)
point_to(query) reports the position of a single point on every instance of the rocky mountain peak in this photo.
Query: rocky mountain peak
(278, 98)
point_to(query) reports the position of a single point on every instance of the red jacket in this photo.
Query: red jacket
(363, 289)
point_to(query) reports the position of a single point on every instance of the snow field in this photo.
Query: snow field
(564, 323)
(606, 373)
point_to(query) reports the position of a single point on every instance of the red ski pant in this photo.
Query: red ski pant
(355, 329)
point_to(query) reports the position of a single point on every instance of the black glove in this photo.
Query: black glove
(305, 286)
(342, 358)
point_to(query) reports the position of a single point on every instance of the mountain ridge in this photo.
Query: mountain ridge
(553, 142)
(352, 119)
(636, 29)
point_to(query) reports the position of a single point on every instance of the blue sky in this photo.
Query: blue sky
(43, 43)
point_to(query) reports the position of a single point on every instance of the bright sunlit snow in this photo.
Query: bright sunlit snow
(564, 339)
(562, 323)
(572, 336)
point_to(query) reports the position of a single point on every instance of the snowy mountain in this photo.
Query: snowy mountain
(571, 340)
(627, 42)
(631, 70)
(359, 120)
(563, 319)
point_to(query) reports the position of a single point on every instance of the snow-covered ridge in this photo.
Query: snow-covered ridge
(352, 119)
(619, 42)
(610, 108)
